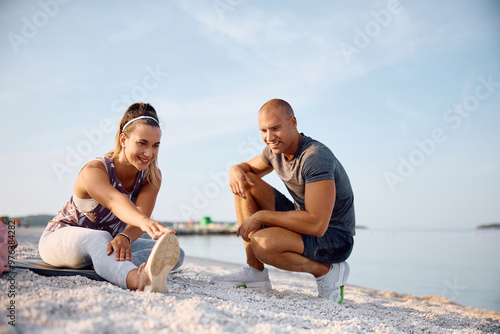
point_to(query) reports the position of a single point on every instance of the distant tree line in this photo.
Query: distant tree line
(33, 220)
(489, 226)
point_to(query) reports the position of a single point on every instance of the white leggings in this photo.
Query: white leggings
(79, 247)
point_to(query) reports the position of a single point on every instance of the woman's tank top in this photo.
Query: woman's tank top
(99, 217)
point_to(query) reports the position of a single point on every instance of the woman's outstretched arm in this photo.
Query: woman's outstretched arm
(95, 180)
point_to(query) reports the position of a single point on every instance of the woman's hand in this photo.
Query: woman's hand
(121, 246)
(154, 229)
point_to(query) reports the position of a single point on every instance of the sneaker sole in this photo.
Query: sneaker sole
(262, 286)
(162, 259)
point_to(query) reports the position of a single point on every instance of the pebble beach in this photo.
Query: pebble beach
(76, 304)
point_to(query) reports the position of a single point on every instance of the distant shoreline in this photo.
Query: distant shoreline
(495, 226)
(228, 228)
(181, 228)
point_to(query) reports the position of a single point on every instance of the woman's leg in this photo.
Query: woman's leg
(78, 247)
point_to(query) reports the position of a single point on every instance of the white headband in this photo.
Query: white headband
(140, 117)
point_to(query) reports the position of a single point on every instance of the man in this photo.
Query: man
(315, 233)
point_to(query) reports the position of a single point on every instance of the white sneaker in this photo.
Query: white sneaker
(247, 277)
(152, 275)
(331, 285)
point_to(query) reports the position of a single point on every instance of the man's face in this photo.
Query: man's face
(278, 130)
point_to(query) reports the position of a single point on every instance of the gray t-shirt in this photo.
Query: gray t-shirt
(313, 162)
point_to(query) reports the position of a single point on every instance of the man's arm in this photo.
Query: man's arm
(238, 174)
(314, 220)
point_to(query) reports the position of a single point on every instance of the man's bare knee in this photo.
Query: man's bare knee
(260, 191)
(257, 182)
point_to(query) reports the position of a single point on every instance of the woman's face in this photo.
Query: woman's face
(141, 146)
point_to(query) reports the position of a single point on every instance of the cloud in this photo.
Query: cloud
(246, 24)
(282, 39)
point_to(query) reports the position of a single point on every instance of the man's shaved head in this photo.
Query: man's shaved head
(277, 104)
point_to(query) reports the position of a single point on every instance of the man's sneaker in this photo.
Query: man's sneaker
(331, 285)
(247, 277)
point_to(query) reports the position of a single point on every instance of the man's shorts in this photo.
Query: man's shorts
(334, 246)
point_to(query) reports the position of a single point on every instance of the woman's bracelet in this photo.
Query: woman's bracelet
(126, 236)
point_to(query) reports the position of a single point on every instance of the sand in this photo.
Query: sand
(194, 305)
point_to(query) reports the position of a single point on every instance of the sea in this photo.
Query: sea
(460, 265)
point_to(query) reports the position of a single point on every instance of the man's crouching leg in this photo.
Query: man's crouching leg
(260, 196)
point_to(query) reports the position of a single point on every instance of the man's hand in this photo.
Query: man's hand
(154, 229)
(249, 226)
(121, 246)
(237, 179)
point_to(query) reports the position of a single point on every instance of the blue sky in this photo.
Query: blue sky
(405, 93)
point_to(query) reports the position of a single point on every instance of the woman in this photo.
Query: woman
(113, 198)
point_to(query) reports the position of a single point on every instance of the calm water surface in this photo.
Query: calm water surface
(463, 266)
